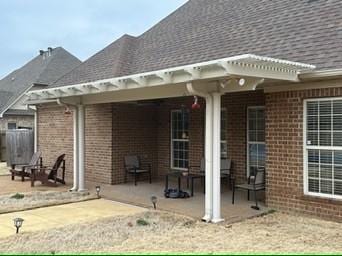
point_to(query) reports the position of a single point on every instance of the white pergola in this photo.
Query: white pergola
(209, 80)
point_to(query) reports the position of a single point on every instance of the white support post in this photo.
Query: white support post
(216, 165)
(75, 153)
(208, 159)
(81, 151)
(35, 131)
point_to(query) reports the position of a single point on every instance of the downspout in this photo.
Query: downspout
(208, 150)
(35, 125)
(75, 145)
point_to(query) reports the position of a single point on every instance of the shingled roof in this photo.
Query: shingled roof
(308, 31)
(42, 70)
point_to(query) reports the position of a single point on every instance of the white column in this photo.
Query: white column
(81, 151)
(216, 158)
(208, 159)
(75, 155)
(35, 130)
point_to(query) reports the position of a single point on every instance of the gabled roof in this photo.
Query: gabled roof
(307, 31)
(42, 70)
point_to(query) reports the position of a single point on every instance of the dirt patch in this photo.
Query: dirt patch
(165, 232)
(37, 199)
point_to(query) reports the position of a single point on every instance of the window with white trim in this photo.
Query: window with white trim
(323, 147)
(224, 145)
(256, 152)
(180, 139)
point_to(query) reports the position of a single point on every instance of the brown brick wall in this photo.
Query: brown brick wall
(134, 133)
(236, 105)
(98, 143)
(284, 138)
(55, 136)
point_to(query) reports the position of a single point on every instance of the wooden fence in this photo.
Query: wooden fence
(2, 146)
(19, 146)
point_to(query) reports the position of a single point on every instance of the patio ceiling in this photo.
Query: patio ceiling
(247, 66)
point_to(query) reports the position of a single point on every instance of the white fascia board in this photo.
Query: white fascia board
(247, 65)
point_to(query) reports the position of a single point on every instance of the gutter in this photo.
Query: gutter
(208, 153)
(331, 73)
(35, 123)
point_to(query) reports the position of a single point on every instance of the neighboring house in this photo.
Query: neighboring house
(281, 111)
(38, 73)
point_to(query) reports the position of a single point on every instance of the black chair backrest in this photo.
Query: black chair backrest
(58, 162)
(132, 162)
(257, 175)
(226, 164)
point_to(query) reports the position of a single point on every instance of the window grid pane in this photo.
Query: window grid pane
(224, 145)
(256, 138)
(180, 138)
(324, 128)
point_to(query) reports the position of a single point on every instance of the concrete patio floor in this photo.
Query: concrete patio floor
(140, 195)
(63, 215)
(17, 186)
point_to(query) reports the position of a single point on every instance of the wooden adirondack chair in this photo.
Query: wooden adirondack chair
(25, 170)
(49, 179)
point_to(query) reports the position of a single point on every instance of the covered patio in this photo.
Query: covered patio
(213, 82)
(193, 206)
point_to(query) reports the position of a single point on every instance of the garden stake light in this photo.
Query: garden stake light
(154, 202)
(98, 189)
(18, 222)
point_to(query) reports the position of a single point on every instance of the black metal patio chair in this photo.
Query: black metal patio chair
(134, 167)
(226, 169)
(255, 183)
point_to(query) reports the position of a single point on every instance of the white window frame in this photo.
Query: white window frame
(224, 113)
(172, 140)
(247, 137)
(308, 147)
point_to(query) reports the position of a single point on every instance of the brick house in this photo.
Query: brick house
(38, 73)
(268, 75)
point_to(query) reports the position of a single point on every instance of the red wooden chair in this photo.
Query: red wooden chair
(50, 179)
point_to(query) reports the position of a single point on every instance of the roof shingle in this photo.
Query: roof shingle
(40, 70)
(298, 30)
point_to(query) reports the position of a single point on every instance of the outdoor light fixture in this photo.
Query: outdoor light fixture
(67, 111)
(154, 202)
(18, 222)
(195, 105)
(242, 81)
(98, 189)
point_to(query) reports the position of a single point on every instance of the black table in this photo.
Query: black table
(185, 175)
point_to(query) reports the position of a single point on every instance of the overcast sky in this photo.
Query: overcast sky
(82, 27)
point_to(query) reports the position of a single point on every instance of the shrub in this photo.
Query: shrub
(18, 196)
(142, 222)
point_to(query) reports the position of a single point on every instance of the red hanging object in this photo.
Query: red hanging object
(67, 111)
(195, 105)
